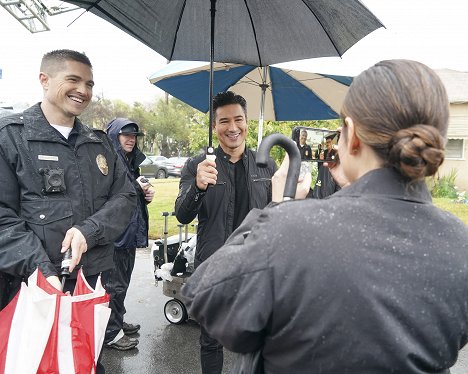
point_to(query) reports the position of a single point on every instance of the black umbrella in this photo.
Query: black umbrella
(253, 32)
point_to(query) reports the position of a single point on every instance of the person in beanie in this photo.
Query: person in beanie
(123, 135)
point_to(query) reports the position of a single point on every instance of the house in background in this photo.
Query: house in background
(456, 150)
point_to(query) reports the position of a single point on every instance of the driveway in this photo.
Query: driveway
(164, 348)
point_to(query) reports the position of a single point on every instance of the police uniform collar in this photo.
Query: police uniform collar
(36, 125)
(38, 128)
(388, 182)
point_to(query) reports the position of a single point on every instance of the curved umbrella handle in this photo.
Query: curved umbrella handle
(294, 160)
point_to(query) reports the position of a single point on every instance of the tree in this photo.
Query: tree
(98, 113)
(101, 111)
(172, 122)
(199, 133)
(174, 128)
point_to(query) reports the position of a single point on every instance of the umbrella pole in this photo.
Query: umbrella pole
(210, 150)
(263, 86)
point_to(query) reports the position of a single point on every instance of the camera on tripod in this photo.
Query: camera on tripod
(53, 180)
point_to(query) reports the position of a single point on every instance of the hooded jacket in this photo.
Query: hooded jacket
(95, 196)
(136, 233)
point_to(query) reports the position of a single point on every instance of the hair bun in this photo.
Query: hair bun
(417, 151)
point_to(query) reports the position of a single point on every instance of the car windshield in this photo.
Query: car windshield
(146, 161)
(151, 160)
(157, 158)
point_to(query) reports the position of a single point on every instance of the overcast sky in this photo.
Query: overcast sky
(431, 31)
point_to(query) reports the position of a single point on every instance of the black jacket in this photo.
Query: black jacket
(325, 185)
(98, 199)
(372, 280)
(215, 207)
(136, 233)
(305, 151)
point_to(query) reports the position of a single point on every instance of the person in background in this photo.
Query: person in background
(221, 193)
(390, 297)
(63, 186)
(304, 149)
(329, 152)
(325, 185)
(123, 135)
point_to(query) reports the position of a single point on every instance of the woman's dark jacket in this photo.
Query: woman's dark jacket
(136, 233)
(97, 200)
(215, 206)
(372, 280)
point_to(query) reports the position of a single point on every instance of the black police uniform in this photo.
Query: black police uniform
(89, 191)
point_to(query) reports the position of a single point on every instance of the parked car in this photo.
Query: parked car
(175, 165)
(6, 109)
(155, 167)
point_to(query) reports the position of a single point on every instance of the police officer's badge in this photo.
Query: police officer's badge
(102, 164)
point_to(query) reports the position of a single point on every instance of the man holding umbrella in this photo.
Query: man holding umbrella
(221, 192)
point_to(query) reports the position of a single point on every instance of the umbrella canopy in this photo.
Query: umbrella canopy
(254, 32)
(55, 332)
(271, 93)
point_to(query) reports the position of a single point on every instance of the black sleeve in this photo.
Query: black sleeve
(190, 198)
(239, 319)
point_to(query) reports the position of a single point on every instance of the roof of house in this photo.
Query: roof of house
(456, 84)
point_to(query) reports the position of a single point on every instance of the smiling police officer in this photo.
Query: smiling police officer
(62, 184)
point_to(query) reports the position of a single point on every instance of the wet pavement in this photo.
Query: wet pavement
(166, 348)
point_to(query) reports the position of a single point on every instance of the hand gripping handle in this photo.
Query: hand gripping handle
(294, 160)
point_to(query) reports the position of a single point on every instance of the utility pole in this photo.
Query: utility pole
(166, 95)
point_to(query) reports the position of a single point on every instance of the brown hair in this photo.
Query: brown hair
(54, 60)
(401, 110)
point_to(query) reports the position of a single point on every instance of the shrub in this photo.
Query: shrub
(443, 186)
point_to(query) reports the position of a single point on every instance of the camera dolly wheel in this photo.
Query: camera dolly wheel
(175, 312)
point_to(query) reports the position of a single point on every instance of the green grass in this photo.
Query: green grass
(460, 210)
(167, 190)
